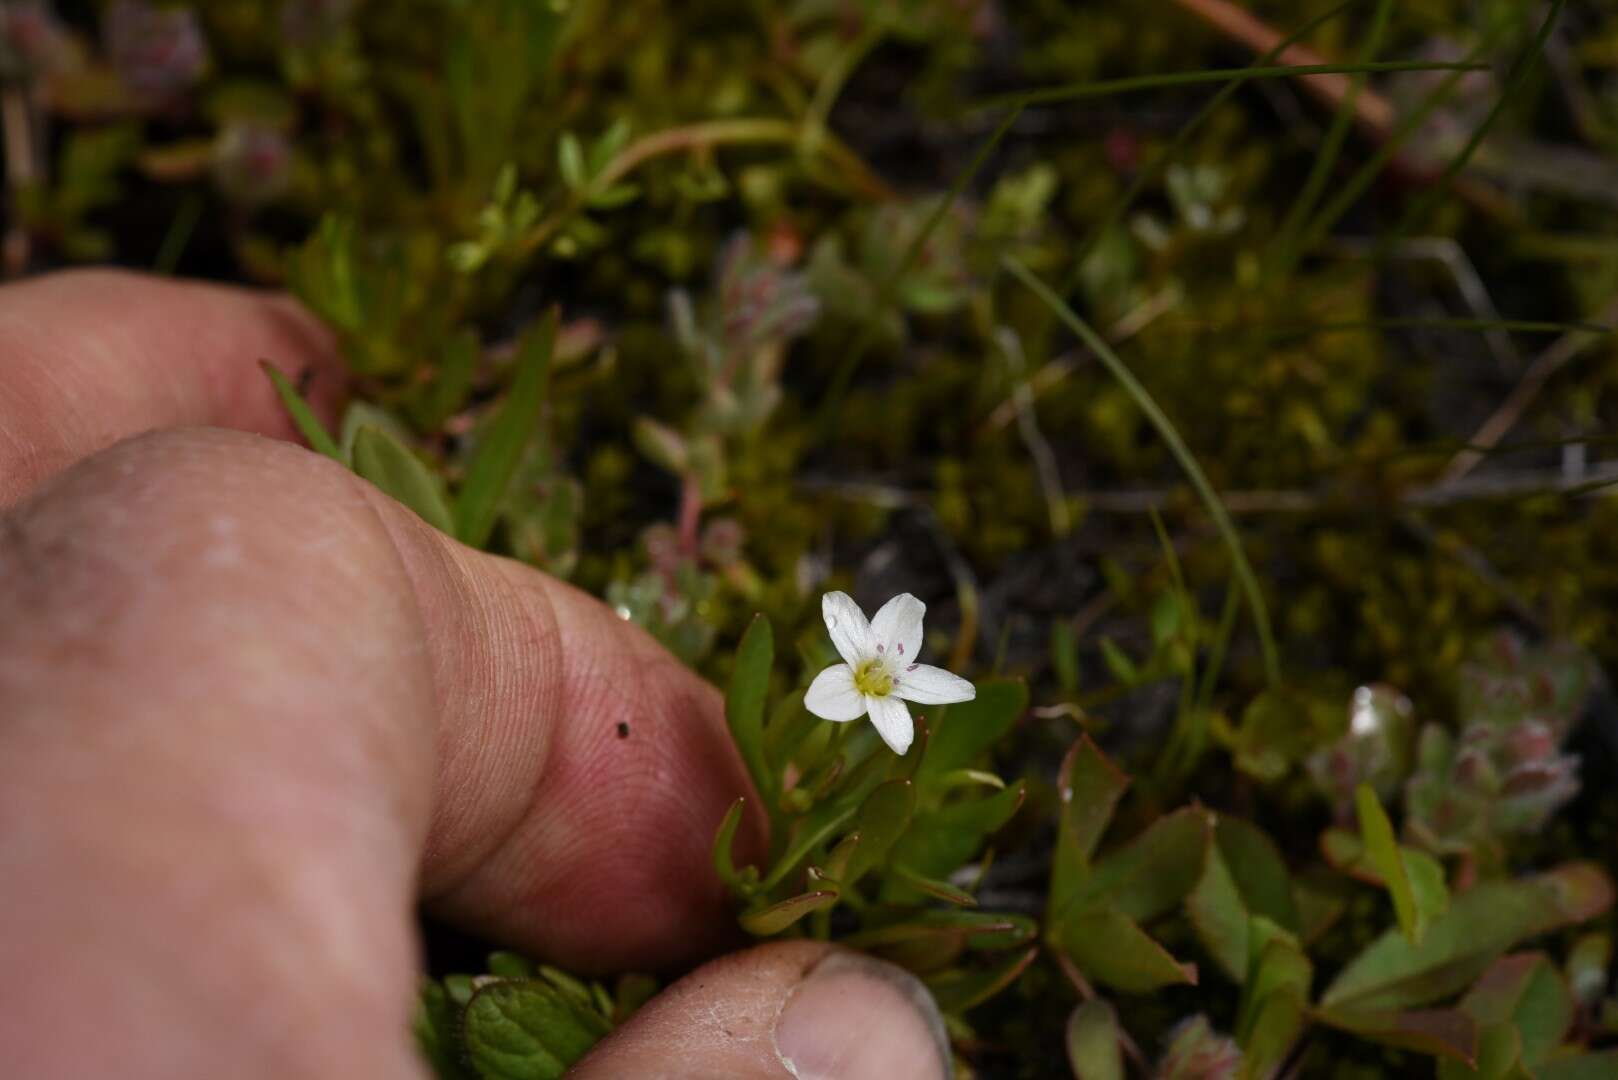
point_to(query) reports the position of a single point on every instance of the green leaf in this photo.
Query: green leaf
(489, 475)
(985, 931)
(1089, 786)
(1154, 871)
(1275, 998)
(939, 890)
(963, 732)
(1480, 925)
(1499, 1057)
(382, 460)
(941, 840)
(777, 917)
(1447, 1033)
(1245, 877)
(303, 417)
(744, 702)
(1376, 831)
(436, 1026)
(1094, 1049)
(883, 818)
(1109, 947)
(1275, 1030)
(1600, 1066)
(961, 989)
(526, 1029)
(452, 382)
(724, 865)
(1526, 991)
(510, 965)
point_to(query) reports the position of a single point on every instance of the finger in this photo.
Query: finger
(798, 1009)
(91, 357)
(242, 692)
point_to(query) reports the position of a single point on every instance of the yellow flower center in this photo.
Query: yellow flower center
(873, 678)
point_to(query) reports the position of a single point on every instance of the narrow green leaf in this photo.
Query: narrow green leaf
(1109, 947)
(882, 820)
(941, 890)
(1094, 1049)
(777, 917)
(745, 699)
(982, 931)
(1171, 438)
(941, 840)
(1377, 833)
(303, 417)
(526, 1029)
(382, 460)
(963, 732)
(510, 965)
(723, 863)
(489, 475)
(960, 989)
(452, 382)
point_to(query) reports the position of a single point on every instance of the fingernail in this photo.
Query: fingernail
(858, 1018)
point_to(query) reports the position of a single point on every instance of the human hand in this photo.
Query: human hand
(252, 712)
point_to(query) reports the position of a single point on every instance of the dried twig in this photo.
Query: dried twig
(1566, 348)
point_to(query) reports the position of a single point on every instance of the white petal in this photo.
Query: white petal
(928, 685)
(832, 695)
(847, 626)
(897, 628)
(892, 722)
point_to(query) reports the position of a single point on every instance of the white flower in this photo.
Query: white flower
(880, 668)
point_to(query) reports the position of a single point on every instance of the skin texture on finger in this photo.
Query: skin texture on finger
(791, 1009)
(241, 693)
(90, 357)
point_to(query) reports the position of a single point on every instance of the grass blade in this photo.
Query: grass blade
(487, 478)
(1171, 437)
(303, 417)
(1519, 73)
(1105, 87)
(1286, 248)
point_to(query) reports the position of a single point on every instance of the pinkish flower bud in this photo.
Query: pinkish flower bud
(157, 52)
(252, 163)
(32, 40)
(1529, 741)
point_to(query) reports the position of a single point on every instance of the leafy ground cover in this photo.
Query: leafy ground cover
(1232, 381)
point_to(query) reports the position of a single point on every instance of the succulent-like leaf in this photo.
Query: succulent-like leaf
(1093, 1047)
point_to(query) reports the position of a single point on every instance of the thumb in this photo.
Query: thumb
(789, 1009)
